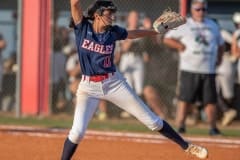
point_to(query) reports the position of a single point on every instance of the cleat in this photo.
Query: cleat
(197, 151)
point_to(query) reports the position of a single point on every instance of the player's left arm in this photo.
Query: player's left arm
(139, 33)
(166, 21)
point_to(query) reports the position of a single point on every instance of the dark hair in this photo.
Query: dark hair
(99, 6)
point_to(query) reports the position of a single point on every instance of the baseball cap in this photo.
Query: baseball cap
(99, 6)
(236, 17)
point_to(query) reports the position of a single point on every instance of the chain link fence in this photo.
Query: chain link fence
(161, 71)
(8, 45)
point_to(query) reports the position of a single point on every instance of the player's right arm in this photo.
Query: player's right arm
(76, 11)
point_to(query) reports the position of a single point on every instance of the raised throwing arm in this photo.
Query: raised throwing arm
(76, 11)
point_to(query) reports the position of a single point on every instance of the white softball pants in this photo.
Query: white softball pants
(116, 90)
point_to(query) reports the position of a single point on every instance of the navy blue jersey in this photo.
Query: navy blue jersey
(96, 51)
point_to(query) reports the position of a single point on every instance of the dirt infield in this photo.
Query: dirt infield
(22, 144)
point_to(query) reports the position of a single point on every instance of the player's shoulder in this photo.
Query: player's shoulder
(84, 22)
(117, 27)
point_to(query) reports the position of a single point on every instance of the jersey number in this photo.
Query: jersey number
(107, 62)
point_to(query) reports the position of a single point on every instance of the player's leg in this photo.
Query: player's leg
(121, 94)
(127, 71)
(126, 99)
(84, 110)
(134, 105)
(129, 78)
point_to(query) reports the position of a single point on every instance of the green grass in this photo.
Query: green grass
(129, 125)
(37, 121)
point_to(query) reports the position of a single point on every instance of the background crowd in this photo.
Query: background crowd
(146, 64)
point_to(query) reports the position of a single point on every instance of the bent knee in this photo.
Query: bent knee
(75, 137)
(157, 125)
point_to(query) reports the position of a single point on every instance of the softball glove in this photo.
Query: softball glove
(168, 20)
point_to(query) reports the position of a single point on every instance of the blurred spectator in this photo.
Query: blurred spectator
(132, 62)
(200, 46)
(225, 82)
(9, 83)
(59, 77)
(150, 46)
(74, 73)
(132, 58)
(102, 110)
(3, 45)
(236, 43)
(236, 37)
(236, 54)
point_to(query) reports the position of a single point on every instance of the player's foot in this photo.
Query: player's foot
(228, 117)
(197, 151)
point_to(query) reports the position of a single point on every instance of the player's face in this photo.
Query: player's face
(108, 17)
(198, 11)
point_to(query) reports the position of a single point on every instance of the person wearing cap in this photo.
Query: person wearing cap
(200, 47)
(225, 81)
(235, 48)
(95, 40)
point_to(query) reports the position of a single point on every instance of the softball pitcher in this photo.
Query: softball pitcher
(95, 39)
